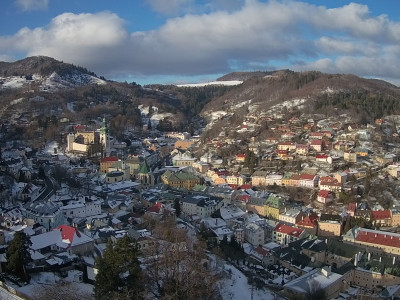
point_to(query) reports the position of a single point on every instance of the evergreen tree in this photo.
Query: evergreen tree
(41, 173)
(18, 255)
(118, 271)
(177, 207)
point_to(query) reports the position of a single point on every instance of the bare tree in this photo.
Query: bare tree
(63, 290)
(177, 267)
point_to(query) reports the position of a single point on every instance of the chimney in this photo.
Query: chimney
(380, 258)
(355, 260)
(369, 256)
(394, 259)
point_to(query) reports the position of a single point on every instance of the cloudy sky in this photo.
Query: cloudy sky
(177, 41)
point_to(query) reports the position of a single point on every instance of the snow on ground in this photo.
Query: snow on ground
(13, 82)
(49, 148)
(70, 106)
(215, 115)
(239, 105)
(230, 82)
(328, 90)
(42, 279)
(157, 117)
(288, 104)
(16, 101)
(237, 287)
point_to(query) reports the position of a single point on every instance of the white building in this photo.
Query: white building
(254, 234)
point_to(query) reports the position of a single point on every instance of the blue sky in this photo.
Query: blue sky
(183, 41)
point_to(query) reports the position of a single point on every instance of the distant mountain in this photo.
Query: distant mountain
(48, 73)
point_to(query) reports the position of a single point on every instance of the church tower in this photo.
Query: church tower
(146, 179)
(105, 138)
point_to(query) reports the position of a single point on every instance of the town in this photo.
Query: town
(310, 211)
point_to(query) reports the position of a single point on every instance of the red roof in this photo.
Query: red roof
(327, 179)
(306, 176)
(323, 193)
(245, 198)
(109, 159)
(260, 250)
(289, 230)
(308, 221)
(68, 232)
(155, 208)
(286, 144)
(316, 142)
(234, 186)
(381, 214)
(79, 127)
(246, 186)
(352, 206)
(241, 155)
(375, 237)
(321, 156)
(316, 134)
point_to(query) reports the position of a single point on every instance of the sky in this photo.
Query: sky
(189, 41)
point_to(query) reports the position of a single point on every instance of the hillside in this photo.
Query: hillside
(301, 95)
(48, 95)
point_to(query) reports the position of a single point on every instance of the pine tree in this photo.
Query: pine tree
(118, 271)
(177, 207)
(18, 255)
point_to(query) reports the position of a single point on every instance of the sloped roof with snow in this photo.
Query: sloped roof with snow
(63, 237)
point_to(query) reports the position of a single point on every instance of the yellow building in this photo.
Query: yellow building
(180, 179)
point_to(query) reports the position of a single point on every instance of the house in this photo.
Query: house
(309, 223)
(236, 179)
(350, 156)
(294, 180)
(302, 287)
(382, 218)
(291, 216)
(240, 157)
(273, 206)
(63, 238)
(47, 214)
(287, 146)
(259, 178)
(393, 170)
(107, 162)
(323, 158)
(183, 160)
(316, 135)
(302, 149)
(376, 242)
(201, 205)
(285, 234)
(183, 144)
(329, 184)
(254, 234)
(325, 196)
(262, 256)
(180, 179)
(273, 179)
(351, 209)
(330, 225)
(308, 180)
(317, 145)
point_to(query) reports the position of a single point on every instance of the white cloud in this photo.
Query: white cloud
(344, 39)
(170, 7)
(28, 5)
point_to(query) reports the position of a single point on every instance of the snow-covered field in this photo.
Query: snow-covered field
(230, 82)
(237, 288)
